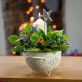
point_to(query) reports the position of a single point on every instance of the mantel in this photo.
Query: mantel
(15, 69)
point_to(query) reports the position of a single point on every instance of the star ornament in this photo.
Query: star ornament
(47, 14)
(34, 29)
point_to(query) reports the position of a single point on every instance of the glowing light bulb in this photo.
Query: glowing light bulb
(42, 1)
(37, 7)
(27, 12)
(31, 19)
(31, 9)
(54, 26)
(29, 1)
(13, 52)
(22, 27)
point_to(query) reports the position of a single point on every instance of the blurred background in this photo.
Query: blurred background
(66, 15)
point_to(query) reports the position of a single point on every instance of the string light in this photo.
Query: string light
(22, 27)
(54, 26)
(27, 12)
(13, 52)
(37, 7)
(31, 9)
(31, 19)
(29, 1)
(42, 1)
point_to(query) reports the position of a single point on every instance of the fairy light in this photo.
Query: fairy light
(42, 1)
(31, 19)
(28, 12)
(37, 7)
(13, 52)
(22, 27)
(54, 26)
(31, 9)
(29, 1)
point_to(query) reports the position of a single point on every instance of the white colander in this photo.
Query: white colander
(43, 62)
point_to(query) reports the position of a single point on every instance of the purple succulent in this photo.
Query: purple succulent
(26, 37)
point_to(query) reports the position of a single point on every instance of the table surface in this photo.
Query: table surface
(14, 68)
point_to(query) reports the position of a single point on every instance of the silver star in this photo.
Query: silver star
(47, 14)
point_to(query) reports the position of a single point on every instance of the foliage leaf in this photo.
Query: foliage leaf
(35, 37)
(27, 28)
(12, 39)
(41, 33)
(18, 48)
(35, 50)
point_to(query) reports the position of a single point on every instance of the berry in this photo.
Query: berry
(26, 37)
(41, 41)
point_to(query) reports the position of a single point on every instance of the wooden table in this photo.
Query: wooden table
(15, 69)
